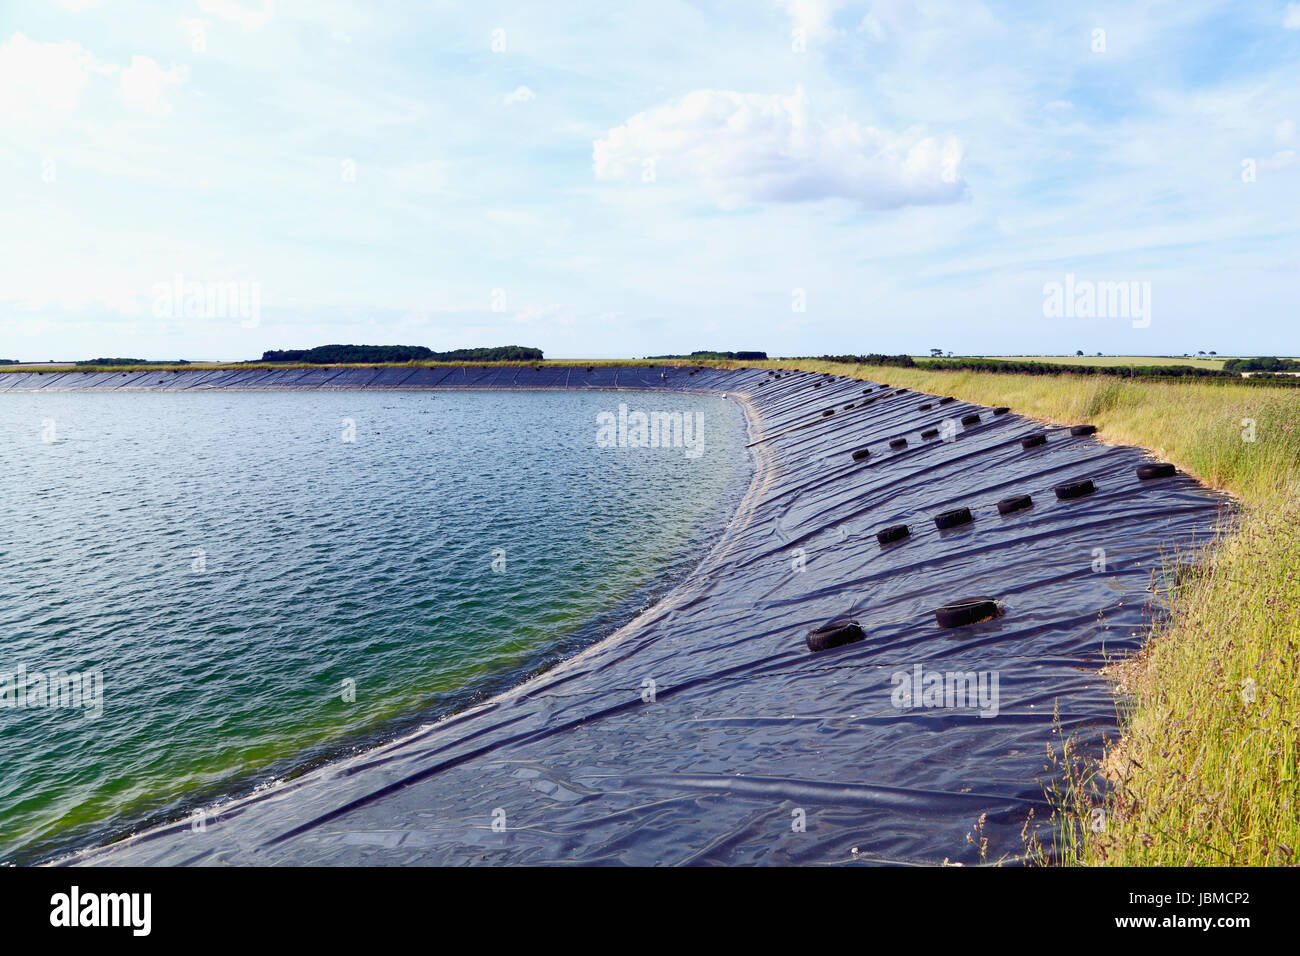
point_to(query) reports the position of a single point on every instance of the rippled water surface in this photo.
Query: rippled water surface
(233, 566)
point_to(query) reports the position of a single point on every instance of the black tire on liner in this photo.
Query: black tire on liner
(952, 519)
(925, 408)
(833, 634)
(828, 413)
(947, 400)
(901, 391)
(861, 453)
(1074, 489)
(1083, 429)
(966, 611)
(930, 433)
(898, 443)
(1015, 503)
(1001, 410)
(970, 419)
(1155, 469)
(893, 533)
(1033, 441)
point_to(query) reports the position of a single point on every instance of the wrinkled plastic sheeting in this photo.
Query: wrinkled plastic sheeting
(705, 731)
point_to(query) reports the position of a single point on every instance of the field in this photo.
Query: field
(1215, 362)
(1206, 773)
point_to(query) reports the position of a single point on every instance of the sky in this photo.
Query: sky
(208, 179)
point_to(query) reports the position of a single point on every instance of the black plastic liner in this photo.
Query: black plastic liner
(706, 731)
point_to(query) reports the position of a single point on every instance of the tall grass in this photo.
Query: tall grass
(1206, 772)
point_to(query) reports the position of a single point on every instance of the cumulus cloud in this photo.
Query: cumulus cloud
(746, 147)
(39, 76)
(522, 94)
(144, 85)
(811, 17)
(1279, 160)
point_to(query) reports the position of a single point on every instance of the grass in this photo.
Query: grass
(1194, 360)
(1206, 770)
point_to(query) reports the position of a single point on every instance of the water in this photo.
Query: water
(232, 567)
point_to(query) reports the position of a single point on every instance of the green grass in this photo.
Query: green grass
(1215, 362)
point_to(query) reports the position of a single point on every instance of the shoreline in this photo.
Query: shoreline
(695, 607)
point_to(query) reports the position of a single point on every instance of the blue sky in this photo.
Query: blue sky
(798, 176)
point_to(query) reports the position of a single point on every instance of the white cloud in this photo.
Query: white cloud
(748, 147)
(144, 85)
(1291, 18)
(889, 18)
(1279, 160)
(39, 76)
(234, 12)
(522, 94)
(813, 17)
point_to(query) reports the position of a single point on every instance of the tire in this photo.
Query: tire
(969, 420)
(828, 413)
(947, 400)
(898, 443)
(861, 453)
(1001, 410)
(901, 391)
(926, 407)
(1033, 441)
(1083, 430)
(930, 433)
(893, 533)
(967, 611)
(848, 406)
(953, 519)
(1013, 504)
(1074, 489)
(833, 634)
(1155, 469)
(866, 390)
(817, 384)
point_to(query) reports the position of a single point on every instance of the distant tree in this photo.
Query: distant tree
(1212, 352)
(1080, 352)
(1200, 353)
(935, 353)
